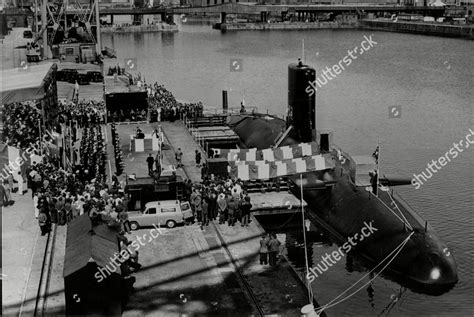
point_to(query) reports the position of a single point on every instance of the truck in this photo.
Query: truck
(160, 213)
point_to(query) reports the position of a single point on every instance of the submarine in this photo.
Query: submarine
(343, 198)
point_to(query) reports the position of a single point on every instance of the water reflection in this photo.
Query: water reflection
(394, 299)
(138, 39)
(167, 38)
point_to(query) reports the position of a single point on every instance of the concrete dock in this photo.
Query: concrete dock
(210, 271)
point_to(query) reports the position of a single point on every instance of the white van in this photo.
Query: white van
(160, 213)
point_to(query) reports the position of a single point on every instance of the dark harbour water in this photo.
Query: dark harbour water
(431, 78)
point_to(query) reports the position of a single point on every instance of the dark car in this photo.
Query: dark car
(95, 77)
(72, 77)
(27, 34)
(83, 79)
(66, 75)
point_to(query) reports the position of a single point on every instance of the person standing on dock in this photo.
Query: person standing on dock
(264, 249)
(157, 163)
(204, 170)
(191, 200)
(198, 158)
(373, 181)
(179, 156)
(210, 153)
(198, 205)
(6, 186)
(273, 248)
(3, 197)
(205, 213)
(222, 208)
(232, 207)
(150, 161)
(43, 223)
(245, 211)
(213, 205)
(75, 94)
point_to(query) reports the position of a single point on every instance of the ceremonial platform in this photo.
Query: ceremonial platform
(149, 143)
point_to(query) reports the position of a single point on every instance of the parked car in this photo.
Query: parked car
(65, 74)
(95, 77)
(159, 213)
(27, 34)
(83, 79)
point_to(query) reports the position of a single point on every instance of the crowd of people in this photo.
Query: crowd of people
(226, 201)
(118, 154)
(60, 195)
(93, 153)
(20, 124)
(84, 112)
(163, 106)
(131, 114)
(115, 70)
(219, 199)
(21, 120)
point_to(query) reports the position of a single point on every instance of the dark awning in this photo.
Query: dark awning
(85, 243)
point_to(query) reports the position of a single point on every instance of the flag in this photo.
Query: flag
(375, 155)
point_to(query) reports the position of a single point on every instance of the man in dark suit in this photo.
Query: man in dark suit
(3, 197)
(150, 162)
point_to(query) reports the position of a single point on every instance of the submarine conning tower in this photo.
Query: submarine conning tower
(301, 103)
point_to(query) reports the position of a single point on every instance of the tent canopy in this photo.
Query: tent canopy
(19, 84)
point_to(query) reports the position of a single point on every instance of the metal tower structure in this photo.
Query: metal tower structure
(68, 15)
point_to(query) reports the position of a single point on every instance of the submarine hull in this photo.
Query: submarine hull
(425, 263)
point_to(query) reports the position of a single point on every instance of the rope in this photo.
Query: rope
(404, 218)
(399, 247)
(378, 158)
(391, 210)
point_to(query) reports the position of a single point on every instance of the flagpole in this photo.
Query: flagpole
(304, 239)
(378, 168)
